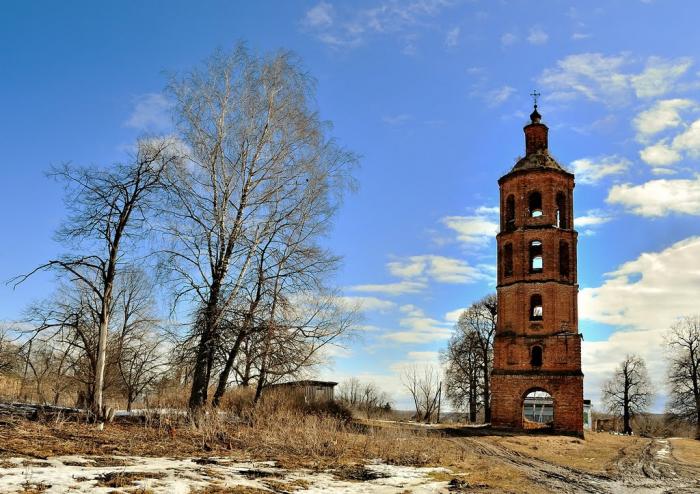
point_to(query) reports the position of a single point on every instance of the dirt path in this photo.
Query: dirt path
(654, 470)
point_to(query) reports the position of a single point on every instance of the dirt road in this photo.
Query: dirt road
(653, 469)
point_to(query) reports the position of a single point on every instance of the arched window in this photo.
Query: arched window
(563, 258)
(536, 356)
(562, 213)
(510, 213)
(536, 261)
(535, 204)
(508, 260)
(536, 307)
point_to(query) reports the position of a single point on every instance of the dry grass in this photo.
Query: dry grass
(686, 450)
(125, 479)
(597, 453)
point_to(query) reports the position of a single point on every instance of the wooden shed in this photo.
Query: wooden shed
(312, 390)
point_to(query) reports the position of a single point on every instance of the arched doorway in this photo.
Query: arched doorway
(538, 409)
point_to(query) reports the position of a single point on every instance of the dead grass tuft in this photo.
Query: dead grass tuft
(125, 479)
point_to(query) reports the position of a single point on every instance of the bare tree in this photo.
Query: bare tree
(683, 341)
(107, 210)
(628, 392)
(423, 384)
(253, 142)
(479, 321)
(464, 368)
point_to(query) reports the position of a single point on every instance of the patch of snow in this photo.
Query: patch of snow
(181, 476)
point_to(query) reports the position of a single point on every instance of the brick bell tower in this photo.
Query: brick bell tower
(537, 346)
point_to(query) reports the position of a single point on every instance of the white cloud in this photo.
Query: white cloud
(419, 328)
(537, 36)
(452, 37)
(659, 197)
(593, 217)
(644, 297)
(386, 18)
(689, 140)
(499, 95)
(453, 315)
(660, 154)
(593, 170)
(151, 113)
(367, 303)
(606, 79)
(649, 292)
(398, 288)
(665, 152)
(476, 230)
(508, 39)
(592, 75)
(663, 115)
(439, 268)
(659, 76)
(319, 16)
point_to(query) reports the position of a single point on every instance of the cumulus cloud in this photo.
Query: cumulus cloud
(643, 297)
(658, 197)
(669, 151)
(151, 113)
(398, 288)
(659, 76)
(439, 268)
(477, 230)
(417, 327)
(608, 79)
(594, 217)
(593, 170)
(660, 154)
(537, 36)
(663, 115)
(649, 292)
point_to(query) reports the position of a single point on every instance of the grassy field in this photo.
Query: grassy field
(464, 457)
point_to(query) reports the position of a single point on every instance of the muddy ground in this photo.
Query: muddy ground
(643, 465)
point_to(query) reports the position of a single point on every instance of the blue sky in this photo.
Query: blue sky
(433, 95)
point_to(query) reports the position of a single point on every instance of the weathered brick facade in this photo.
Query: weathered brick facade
(537, 345)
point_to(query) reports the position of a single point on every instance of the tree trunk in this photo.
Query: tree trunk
(225, 373)
(200, 374)
(487, 393)
(97, 405)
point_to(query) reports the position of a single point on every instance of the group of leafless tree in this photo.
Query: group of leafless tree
(225, 219)
(468, 359)
(629, 392)
(366, 398)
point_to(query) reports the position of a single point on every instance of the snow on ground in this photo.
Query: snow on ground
(182, 476)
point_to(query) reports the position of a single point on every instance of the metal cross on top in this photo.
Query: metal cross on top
(535, 95)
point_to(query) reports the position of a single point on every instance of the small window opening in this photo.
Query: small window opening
(536, 356)
(536, 261)
(563, 258)
(510, 213)
(535, 204)
(561, 211)
(508, 260)
(536, 308)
